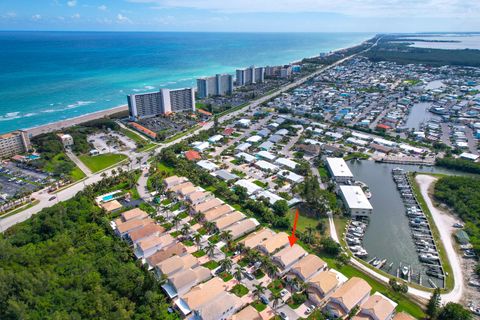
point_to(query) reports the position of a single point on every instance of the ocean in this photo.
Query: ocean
(51, 76)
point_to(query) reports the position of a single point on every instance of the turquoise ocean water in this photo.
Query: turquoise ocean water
(50, 76)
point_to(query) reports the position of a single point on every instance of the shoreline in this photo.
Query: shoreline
(66, 123)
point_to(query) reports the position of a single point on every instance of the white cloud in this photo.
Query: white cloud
(398, 8)
(103, 7)
(36, 17)
(123, 19)
(72, 3)
(11, 14)
(76, 16)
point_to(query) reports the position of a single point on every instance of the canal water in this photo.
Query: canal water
(419, 113)
(388, 235)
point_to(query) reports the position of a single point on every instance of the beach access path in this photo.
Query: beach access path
(79, 163)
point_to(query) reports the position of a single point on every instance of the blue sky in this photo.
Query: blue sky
(242, 15)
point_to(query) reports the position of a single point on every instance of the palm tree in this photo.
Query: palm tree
(276, 298)
(239, 271)
(185, 230)
(240, 247)
(290, 282)
(209, 226)
(270, 269)
(226, 264)
(198, 239)
(227, 237)
(176, 220)
(210, 249)
(198, 216)
(259, 290)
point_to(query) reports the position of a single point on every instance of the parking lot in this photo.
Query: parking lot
(10, 187)
(111, 143)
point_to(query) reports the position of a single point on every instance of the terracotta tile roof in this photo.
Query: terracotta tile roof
(256, 238)
(289, 255)
(276, 242)
(154, 241)
(229, 219)
(326, 281)
(191, 155)
(161, 255)
(204, 293)
(217, 212)
(248, 313)
(177, 263)
(352, 291)
(135, 213)
(207, 205)
(403, 316)
(180, 186)
(308, 266)
(378, 305)
(145, 231)
(124, 227)
(111, 205)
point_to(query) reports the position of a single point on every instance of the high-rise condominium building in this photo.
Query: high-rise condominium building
(13, 143)
(250, 75)
(161, 102)
(218, 85)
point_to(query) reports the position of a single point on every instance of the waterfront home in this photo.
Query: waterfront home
(243, 227)
(207, 205)
(149, 230)
(225, 175)
(287, 257)
(149, 246)
(173, 181)
(182, 281)
(247, 313)
(172, 265)
(198, 197)
(323, 284)
(377, 307)
(243, 147)
(227, 220)
(276, 242)
(185, 191)
(200, 295)
(270, 196)
(256, 238)
(177, 249)
(217, 212)
(339, 170)
(176, 188)
(122, 228)
(355, 201)
(352, 293)
(307, 267)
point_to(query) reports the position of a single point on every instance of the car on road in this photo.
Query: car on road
(249, 276)
(283, 315)
(458, 225)
(52, 198)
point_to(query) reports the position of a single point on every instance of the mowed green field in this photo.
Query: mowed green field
(102, 161)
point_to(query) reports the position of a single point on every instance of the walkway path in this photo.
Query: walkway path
(444, 224)
(79, 163)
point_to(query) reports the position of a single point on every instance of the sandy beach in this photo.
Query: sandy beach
(55, 126)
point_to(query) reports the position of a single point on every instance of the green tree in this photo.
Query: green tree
(433, 306)
(454, 311)
(280, 208)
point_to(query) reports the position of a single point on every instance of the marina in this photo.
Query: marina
(398, 221)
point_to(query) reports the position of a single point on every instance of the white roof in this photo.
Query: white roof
(254, 139)
(215, 138)
(207, 165)
(264, 165)
(311, 141)
(243, 146)
(250, 186)
(272, 197)
(355, 197)
(409, 148)
(247, 157)
(384, 142)
(202, 146)
(356, 141)
(469, 156)
(339, 167)
(334, 135)
(361, 136)
(244, 121)
(286, 163)
(281, 132)
(267, 155)
(291, 176)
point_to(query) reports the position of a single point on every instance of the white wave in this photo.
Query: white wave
(31, 114)
(11, 114)
(149, 87)
(49, 111)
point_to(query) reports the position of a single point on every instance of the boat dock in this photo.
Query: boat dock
(421, 232)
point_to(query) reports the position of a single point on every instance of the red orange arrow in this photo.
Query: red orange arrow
(292, 239)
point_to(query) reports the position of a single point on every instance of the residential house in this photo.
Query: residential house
(250, 186)
(274, 243)
(256, 238)
(215, 213)
(150, 245)
(173, 181)
(207, 205)
(123, 228)
(222, 307)
(286, 163)
(182, 281)
(288, 256)
(247, 313)
(307, 267)
(352, 293)
(198, 197)
(403, 316)
(323, 284)
(175, 264)
(200, 295)
(149, 230)
(177, 249)
(227, 220)
(377, 307)
(241, 228)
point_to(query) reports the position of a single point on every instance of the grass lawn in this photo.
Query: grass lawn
(163, 167)
(132, 135)
(303, 221)
(166, 202)
(167, 225)
(77, 174)
(239, 290)
(175, 207)
(260, 183)
(297, 300)
(212, 264)
(183, 215)
(258, 305)
(243, 262)
(188, 243)
(175, 234)
(102, 161)
(276, 286)
(259, 274)
(214, 239)
(198, 254)
(202, 231)
(227, 252)
(225, 276)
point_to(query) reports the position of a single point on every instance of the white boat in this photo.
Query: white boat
(428, 257)
(405, 271)
(361, 253)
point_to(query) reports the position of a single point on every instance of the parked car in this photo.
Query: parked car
(264, 299)
(283, 315)
(52, 198)
(283, 292)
